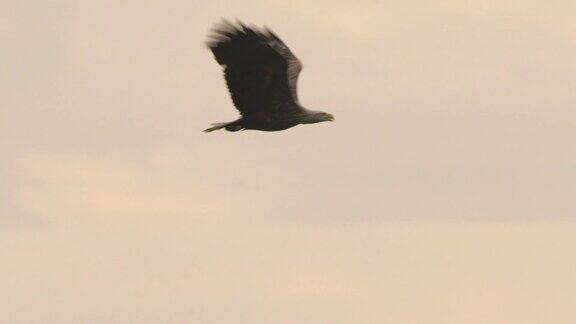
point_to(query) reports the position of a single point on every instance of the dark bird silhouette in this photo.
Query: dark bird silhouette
(261, 74)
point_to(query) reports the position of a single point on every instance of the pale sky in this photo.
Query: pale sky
(443, 193)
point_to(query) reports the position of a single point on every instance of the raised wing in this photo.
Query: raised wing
(260, 70)
(294, 64)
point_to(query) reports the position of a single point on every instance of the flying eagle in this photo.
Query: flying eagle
(261, 73)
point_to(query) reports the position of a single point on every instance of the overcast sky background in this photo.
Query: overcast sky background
(443, 193)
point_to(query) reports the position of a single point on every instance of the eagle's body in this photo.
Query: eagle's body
(261, 73)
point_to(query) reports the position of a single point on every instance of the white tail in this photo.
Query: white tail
(216, 126)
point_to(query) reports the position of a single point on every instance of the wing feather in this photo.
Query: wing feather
(260, 70)
(294, 64)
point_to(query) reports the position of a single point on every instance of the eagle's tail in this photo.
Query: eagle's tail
(215, 127)
(231, 127)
